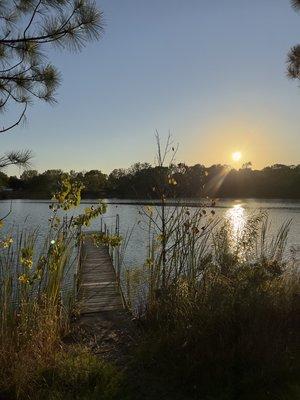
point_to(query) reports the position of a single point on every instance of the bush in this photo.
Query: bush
(224, 322)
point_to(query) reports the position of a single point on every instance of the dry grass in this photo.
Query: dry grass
(220, 317)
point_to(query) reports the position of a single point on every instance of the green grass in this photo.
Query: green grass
(68, 373)
(77, 374)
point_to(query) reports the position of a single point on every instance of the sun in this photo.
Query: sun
(236, 156)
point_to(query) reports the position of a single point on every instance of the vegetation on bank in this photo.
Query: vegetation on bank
(35, 310)
(216, 310)
(218, 306)
(216, 319)
(220, 314)
(140, 181)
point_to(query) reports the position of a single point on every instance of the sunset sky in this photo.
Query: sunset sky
(211, 74)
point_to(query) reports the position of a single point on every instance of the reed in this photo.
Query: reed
(218, 304)
(219, 309)
(36, 303)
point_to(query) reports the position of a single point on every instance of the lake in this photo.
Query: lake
(32, 214)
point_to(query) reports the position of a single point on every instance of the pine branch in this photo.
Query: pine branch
(296, 4)
(20, 158)
(8, 128)
(24, 72)
(293, 68)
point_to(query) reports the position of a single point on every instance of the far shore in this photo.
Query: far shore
(207, 203)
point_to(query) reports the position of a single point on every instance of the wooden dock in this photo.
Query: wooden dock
(97, 289)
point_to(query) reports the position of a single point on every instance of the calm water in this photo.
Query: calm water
(32, 214)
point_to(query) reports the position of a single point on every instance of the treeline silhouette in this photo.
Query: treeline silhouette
(143, 181)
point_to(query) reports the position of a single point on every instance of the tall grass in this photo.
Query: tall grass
(218, 303)
(35, 311)
(220, 309)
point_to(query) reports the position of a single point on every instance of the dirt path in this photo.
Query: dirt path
(109, 334)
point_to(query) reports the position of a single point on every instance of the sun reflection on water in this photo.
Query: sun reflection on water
(236, 217)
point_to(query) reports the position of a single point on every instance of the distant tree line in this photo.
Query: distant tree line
(142, 180)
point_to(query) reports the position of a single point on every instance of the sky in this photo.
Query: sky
(212, 73)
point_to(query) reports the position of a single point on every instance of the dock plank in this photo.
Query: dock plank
(97, 287)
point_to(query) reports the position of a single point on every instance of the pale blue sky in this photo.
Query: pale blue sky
(211, 72)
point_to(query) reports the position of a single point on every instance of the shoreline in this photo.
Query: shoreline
(172, 203)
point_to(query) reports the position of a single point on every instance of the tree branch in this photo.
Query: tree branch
(16, 123)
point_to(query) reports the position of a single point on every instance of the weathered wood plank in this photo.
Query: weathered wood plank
(97, 287)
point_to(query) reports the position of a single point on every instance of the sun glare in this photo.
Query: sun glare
(236, 156)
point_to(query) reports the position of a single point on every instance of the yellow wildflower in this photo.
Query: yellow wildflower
(26, 258)
(172, 182)
(27, 262)
(160, 238)
(24, 279)
(6, 243)
(149, 262)
(148, 209)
